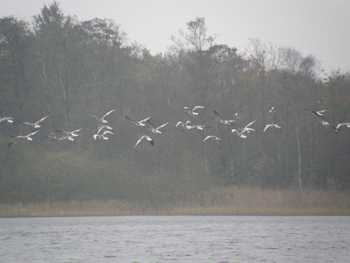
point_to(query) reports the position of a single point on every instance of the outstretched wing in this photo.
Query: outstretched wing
(211, 137)
(78, 130)
(33, 133)
(316, 113)
(196, 108)
(218, 114)
(339, 126)
(150, 123)
(145, 119)
(266, 127)
(42, 119)
(104, 116)
(129, 118)
(320, 113)
(151, 142)
(248, 125)
(29, 123)
(107, 132)
(161, 126)
(8, 119)
(179, 123)
(140, 140)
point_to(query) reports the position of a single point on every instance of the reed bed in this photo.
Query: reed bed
(216, 201)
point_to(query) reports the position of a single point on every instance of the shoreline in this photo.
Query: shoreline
(216, 201)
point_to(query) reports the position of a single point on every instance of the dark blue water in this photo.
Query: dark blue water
(175, 239)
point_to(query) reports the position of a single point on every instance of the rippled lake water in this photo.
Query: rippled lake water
(175, 239)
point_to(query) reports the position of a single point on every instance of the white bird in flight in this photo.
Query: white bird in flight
(272, 110)
(8, 119)
(317, 113)
(185, 125)
(74, 133)
(201, 127)
(241, 131)
(103, 135)
(101, 127)
(193, 111)
(154, 129)
(142, 138)
(223, 121)
(36, 125)
(325, 123)
(271, 126)
(180, 123)
(70, 138)
(347, 124)
(102, 119)
(235, 116)
(28, 136)
(71, 133)
(336, 129)
(247, 128)
(138, 123)
(212, 137)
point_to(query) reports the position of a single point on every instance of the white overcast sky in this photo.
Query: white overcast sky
(317, 27)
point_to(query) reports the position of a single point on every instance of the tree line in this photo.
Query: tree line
(70, 69)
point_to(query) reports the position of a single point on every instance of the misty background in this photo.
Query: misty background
(319, 28)
(70, 69)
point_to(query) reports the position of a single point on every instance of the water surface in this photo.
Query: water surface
(175, 239)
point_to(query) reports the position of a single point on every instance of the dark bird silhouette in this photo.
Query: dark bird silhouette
(317, 113)
(223, 121)
(10, 143)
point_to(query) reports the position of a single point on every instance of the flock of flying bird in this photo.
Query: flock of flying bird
(241, 132)
(104, 130)
(325, 123)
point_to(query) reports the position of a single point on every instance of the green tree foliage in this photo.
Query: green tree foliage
(70, 69)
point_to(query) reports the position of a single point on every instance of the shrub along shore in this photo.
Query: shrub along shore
(216, 201)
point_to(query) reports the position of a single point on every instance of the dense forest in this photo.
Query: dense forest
(68, 70)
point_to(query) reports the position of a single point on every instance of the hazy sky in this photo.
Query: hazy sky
(317, 27)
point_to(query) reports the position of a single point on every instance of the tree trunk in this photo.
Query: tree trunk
(299, 153)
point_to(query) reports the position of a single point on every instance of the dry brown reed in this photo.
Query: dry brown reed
(216, 201)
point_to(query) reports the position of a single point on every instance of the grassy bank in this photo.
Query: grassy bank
(217, 201)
